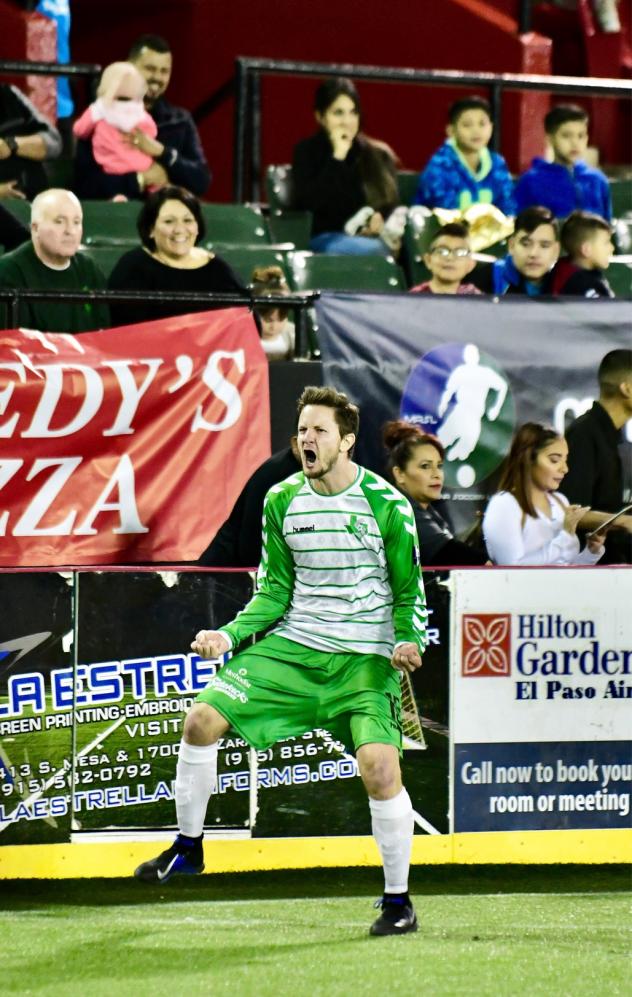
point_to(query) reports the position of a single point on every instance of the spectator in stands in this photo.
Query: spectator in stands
(170, 225)
(12, 232)
(108, 122)
(528, 521)
(277, 332)
(587, 241)
(415, 462)
(596, 447)
(463, 171)
(237, 543)
(568, 183)
(51, 262)
(449, 260)
(176, 153)
(534, 249)
(26, 140)
(347, 180)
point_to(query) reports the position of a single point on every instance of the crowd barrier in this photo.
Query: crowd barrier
(524, 701)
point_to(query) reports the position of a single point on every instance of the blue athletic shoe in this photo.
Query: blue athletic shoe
(185, 856)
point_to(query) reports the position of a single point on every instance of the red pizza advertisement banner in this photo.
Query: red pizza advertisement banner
(128, 445)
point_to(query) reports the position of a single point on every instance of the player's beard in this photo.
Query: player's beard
(322, 468)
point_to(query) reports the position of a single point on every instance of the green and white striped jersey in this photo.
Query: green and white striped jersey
(339, 572)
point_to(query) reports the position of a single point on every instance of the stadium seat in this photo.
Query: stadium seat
(407, 185)
(619, 276)
(109, 223)
(105, 257)
(290, 226)
(279, 187)
(234, 225)
(243, 259)
(621, 194)
(312, 271)
(21, 209)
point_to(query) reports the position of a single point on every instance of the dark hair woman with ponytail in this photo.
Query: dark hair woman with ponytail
(416, 466)
(346, 179)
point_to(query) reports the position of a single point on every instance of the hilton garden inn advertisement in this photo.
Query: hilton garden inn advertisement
(541, 699)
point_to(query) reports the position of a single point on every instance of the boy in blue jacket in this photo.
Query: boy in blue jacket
(568, 183)
(463, 171)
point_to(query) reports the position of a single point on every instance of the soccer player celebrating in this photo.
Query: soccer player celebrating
(340, 578)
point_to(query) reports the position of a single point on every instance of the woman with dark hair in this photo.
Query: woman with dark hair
(347, 180)
(170, 225)
(416, 466)
(528, 521)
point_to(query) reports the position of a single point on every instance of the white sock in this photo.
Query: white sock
(196, 778)
(393, 823)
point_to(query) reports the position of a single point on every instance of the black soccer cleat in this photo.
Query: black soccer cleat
(397, 918)
(185, 856)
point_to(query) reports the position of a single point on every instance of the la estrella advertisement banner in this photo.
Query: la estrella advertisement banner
(541, 697)
(470, 371)
(131, 444)
(96, 675)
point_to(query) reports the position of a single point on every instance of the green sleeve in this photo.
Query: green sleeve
(401, 544)
(275, 578)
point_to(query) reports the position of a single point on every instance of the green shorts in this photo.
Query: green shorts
(278, 688)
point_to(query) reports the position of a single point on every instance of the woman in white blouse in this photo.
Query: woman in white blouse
(528, 521)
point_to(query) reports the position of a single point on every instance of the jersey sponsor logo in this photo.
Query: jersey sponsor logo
(304, 529)
(462, 396)
(358, 527)
(486, 645)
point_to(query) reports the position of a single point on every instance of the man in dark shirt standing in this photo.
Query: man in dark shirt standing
(177, 153)
(597, 475)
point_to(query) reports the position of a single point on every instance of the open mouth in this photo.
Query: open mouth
(309, 456)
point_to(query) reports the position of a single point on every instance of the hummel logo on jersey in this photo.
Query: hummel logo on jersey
(359, 529)
(303, 529)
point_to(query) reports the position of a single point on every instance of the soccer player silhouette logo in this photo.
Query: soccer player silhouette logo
(469, 385)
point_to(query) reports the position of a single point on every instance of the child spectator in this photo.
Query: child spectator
(568, 182)
(449, 260)
(277, 332)
(116, 112)
(528, 267)
(463, 171)
(587, 241)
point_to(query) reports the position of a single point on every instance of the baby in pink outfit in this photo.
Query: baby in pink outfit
(116, 112)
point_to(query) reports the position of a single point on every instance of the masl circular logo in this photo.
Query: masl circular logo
(460, 394)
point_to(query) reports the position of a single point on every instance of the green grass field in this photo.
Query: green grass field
(492, 932)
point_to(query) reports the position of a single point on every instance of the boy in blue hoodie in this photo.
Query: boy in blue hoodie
(463, 171)
(568, 183)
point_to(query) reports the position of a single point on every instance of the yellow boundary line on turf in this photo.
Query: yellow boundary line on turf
(119, 858)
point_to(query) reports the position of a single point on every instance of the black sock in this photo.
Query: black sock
(397, 898)
(187, 842)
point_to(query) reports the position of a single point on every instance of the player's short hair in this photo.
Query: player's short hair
(472, 103)
(456, 230)
(401, 440)
(154, 42)
(346, 414)
(615, 367)
(531, 218)
(151, 209)
(515, 478)
(561, 114)
(580, 226)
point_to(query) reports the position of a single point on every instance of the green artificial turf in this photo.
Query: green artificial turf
(495, 931)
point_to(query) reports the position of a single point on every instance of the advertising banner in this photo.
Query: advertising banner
(469, 370)
(541, 699)
(89, 731)
(128, 445)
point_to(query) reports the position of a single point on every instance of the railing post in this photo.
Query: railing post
(495, 101)
(241, 114)
(524, 17)
(255, 132)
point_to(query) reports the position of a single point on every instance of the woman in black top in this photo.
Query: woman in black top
(347, 180)
(416, 466)
(170, 225)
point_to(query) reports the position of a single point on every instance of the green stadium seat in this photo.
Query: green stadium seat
(106, 257)
(21, 209)
(619, 276)
(313, 271)
(290, 226)
(407, 185)
(621, 194)
(110, 223)
(235, 225)
(243, 259)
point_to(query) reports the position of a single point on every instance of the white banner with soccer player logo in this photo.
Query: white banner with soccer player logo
(541, 697)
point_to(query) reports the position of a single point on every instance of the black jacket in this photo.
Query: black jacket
(18, 117)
